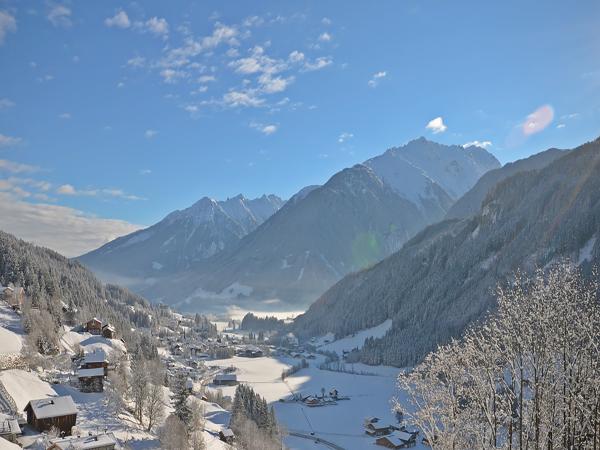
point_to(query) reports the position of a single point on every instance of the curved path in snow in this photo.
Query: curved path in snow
(316, 439)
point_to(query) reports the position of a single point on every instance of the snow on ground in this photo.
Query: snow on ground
(341, 424)
(89, 343)
(11, 331)
(356, 340)
(23, 386)
(94, 414)
(585, 254)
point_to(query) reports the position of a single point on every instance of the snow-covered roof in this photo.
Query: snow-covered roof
(45, 408)
(9, 424)
(94, 357)
(227, 432)
(85, 442)
(226, 377)
(398, 438)
(97, 372)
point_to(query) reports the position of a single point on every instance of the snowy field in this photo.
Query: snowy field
(341, 424)
(356, 340)
(11, 332)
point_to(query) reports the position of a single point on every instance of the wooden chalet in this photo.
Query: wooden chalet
(91, 380)
(400, 439)
(94, 326)
(106, 441)
(227, 436)
(377, 429)
(109, 332)
(46, 413)
(95, 360)
(14, 296)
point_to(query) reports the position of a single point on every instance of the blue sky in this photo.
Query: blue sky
(113, 114)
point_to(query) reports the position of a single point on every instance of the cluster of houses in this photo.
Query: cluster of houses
(59, 413)
(96, 327)
(55, 414)
(390, 436)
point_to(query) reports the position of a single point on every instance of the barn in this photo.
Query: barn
(91, 380)
(46, 413)
(108, 331)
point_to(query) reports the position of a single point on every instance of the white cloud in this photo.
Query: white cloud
(560, 125)
(119, 20)
(318, 63)
(136, 61)
(343, 137)
(68, 231)
(243, 98)
(272, 85)
(65, 115)
(70, 190)
(326, 21)
(206, 78)
(296, 56)
(171, 76)
(374, 81)
(145, 171)
(325, 37)
(436, 125)
(60, 16)
(15, 167)
(476, 143)
(6, 103)
(264, 129)
(149, 134)
(157, 26)
(9, 141)
(8, 24)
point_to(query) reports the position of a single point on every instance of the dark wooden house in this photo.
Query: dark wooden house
(376, 429)
(91, 380)
(95, 360)
(94, 326)
(225, 379)
(401, 439)
(52, 412)
(227, 435)
(109, 332)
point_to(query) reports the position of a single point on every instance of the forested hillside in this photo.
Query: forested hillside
(64, 288)
(443, 280)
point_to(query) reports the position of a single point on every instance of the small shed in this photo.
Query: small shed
(106, 441)
(225, 379)
(94, 326)
(46, 413)
(9, 428)
(91, 380)
(227, 435)
(108, 331)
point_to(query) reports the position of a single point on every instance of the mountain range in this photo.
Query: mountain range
(215, 254)
(539, 212)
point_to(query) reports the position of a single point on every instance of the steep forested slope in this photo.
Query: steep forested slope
(443, 279)
(54, 282)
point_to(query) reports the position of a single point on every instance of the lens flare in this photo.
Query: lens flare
(538, 120)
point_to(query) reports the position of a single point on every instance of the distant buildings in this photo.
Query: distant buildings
(227, 436)
(225, 379)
